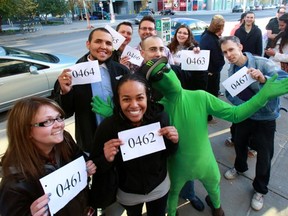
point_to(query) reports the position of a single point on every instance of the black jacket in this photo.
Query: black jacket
(252, 41)
(78, 102)
(210, 41)
(140, 175)
(17, 194)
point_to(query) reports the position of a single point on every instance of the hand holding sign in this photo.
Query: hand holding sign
(238, 82)
(195, 61)
(86, 72)
(141, 141)
(65, 183)
(133, 54)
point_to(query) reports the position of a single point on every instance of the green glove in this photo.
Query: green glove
(101, 107)
(273, 88)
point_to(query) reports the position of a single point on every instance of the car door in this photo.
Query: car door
(16, 81)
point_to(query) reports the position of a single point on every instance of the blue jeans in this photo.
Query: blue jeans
(187, 191)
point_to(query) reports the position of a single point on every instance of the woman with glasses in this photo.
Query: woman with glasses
(37, 146)
(143, 179)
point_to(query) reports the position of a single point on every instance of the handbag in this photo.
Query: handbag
(284, 65)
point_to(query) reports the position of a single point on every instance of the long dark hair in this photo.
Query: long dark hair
(149, 114)
(190, 42)
(283, 34)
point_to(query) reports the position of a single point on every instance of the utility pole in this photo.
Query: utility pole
(111, 11)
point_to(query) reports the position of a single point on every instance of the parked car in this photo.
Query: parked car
(258, 7)
(238, 8)
(141, 14)
(25, 73)
(250, 8)
(98, 15)
(197, 26)
(167, 12)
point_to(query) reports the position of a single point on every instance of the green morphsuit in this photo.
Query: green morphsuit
(188, 111)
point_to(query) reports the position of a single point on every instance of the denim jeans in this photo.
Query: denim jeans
(187, 191)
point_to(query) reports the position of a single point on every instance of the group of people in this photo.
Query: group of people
(129, 97)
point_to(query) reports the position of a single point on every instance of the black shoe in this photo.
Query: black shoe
(197, 204)
(215, 212)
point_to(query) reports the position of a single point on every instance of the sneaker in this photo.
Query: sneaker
(197, 203)
(228, 142)
(257, 201)
(231, 174)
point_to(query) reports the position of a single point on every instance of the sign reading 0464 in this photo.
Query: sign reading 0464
(82, 72)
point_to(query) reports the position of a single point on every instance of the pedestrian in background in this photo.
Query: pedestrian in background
(279, 46)
(250, 35)
(237, 26)
(37, 146)
(272, 28)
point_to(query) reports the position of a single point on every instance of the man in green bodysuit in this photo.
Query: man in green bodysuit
(188, 112)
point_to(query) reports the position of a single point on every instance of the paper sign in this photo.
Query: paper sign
(238, 82)
(65, 183)
(141, 141)
(118, 39)
(85, 72)
(195, 61)
(133, 54)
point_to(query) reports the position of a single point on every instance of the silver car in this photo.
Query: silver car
(140, 15)
(24, 74)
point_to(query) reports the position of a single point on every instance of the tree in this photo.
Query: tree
(20, 9)
(54, 7)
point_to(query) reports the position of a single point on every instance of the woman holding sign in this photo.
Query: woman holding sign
(142, 179)
(37, 146)
(184, 40)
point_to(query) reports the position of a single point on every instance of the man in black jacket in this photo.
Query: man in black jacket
(76, 100)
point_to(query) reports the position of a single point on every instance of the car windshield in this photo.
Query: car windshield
(30, 55)
(194, 25)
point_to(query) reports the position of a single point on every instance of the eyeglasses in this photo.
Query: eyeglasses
(147, 28)
(159, 75)
(49, 122)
